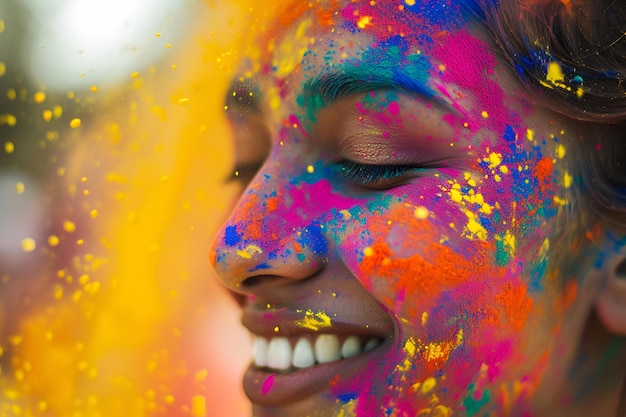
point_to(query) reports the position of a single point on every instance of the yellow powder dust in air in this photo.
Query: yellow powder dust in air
(57, 112)
(39, 97)
(310, 169)
(20, 187)
(47, 115)
(1, 25)
(69, 226)
(94, 88)
(3, 68)
(28, 244)
(74, 123)
(201, 375)
(53, 240)
(560, 151)
(368, 251)
(409, 2)
(9, 147)
(11, 94)
(484, 114)
(198, 406)
(530, 134)
(52, 135)
(8, 119)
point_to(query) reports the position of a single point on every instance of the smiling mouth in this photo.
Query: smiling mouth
(293, 365)
(288, 354)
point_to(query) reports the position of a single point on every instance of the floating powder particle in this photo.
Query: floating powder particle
(28, 244)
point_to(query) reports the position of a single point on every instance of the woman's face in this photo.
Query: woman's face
(402, 245)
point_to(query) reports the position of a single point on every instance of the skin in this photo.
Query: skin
(450, 228)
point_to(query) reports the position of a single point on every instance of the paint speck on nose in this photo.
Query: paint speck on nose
(231, 238)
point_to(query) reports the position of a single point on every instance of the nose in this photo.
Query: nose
(265, 239)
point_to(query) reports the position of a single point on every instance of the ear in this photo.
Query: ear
(611, 301)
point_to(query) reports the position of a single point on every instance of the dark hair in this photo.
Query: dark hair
(573, 52)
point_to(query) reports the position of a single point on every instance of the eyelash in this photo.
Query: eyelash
(376, 176)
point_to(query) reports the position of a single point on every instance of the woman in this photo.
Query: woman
(436, 220)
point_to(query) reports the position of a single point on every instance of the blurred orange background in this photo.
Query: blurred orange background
(110, 192)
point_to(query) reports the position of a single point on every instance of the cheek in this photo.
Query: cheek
(411, 255)
(433, 261)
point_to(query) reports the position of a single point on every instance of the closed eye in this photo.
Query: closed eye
(378, 176)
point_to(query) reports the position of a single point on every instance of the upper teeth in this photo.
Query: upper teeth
(279, 353)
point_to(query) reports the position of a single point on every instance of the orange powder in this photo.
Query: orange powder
(432, 269)
(517, 304)
(544, 170)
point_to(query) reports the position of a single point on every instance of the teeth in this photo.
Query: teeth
(260, 351)
(371, 344)
(278, 353)
(327, 348)
(351, 347)
(303, 355)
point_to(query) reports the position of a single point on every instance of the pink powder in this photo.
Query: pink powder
(267, 384)
(470, 65)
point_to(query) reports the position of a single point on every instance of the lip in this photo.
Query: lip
(266, 388)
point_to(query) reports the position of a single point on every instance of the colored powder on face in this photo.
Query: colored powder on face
(440, 267)
(231, 238)
(313, 239)
(347, 397)
(267, 384)
(516, 303)
(544, 170)
(394, 59)
(472, 403)
(315, 321)
(470, 64)
(419, 20)
(394, 108)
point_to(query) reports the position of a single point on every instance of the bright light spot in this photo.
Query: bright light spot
(75, 44)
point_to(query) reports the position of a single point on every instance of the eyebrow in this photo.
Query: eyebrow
(327, 88)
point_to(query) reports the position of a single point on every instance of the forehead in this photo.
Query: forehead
(398, 43)
(321, 51)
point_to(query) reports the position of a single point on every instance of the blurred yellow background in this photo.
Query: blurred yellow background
(113, 155)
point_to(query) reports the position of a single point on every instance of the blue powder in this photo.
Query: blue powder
(231, 238)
